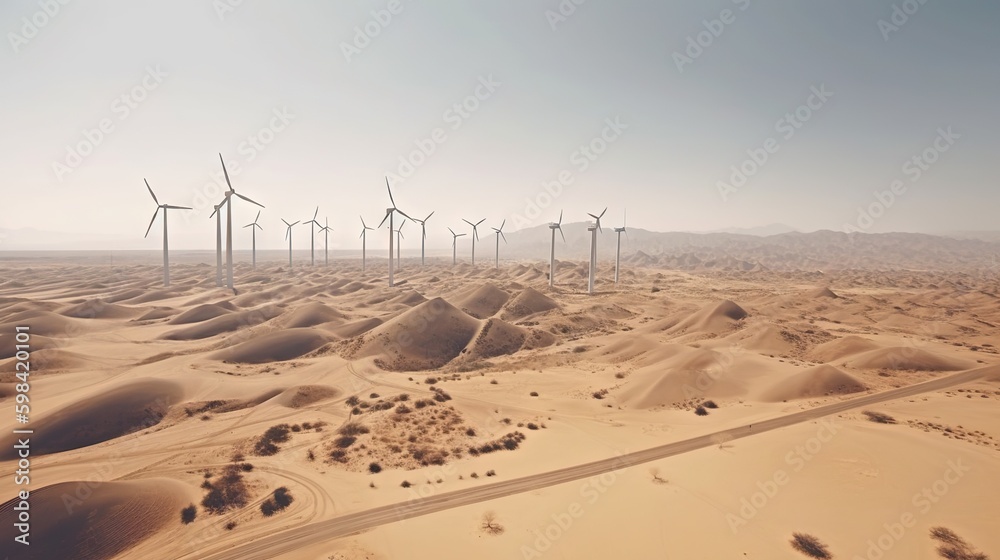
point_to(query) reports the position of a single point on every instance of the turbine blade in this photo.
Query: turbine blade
(387, 214)
(172, 207)
(151, 222)
(363, 224)
(429, 215)
(316, 213)
(603, 211)
(214, 211)
(452, 231)
(225, 172)
(151, 192)
(405, 215)
(390, 192)
(503, 236)
(247, 199)
(560, 218)
(288, 231)
(503, 223)
(257, 218)
(480, 221)
(592, 216)
(468, 222)
(286, 222)
(259, 226)
(561, 233)
(296, 223)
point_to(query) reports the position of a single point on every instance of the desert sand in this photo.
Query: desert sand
(710, 412)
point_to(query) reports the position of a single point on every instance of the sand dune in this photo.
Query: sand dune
(842, 347)
(44, 323)
(273, 347)
(85, 520)
(98, 309)
(224, 323)
(108, 414)
(483, 301)
(818, 381)
(305, 395)
(310, 315)
(906, 358)
(714, 318)
(200, 313)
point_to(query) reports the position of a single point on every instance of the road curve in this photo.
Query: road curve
(322, 531)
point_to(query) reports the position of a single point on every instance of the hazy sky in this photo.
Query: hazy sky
(504, 94)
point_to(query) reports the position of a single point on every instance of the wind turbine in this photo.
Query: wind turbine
(312, 238)
(253, 230)
(399, 242)
(164, 207)
(388, 216)
(499, 235)
(326, 242)
(454, 245)
(364, 240)
(218, 241)
(423, 236)
(288, 236)
(593, 248)
(618, 250)
(229, 222)
(475, 236)
(552, 252)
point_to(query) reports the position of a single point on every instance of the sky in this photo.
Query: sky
(863, 115)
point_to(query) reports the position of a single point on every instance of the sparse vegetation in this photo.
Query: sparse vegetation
(226, 493)
(879, 417)
(188, 514)
(954, 547)
(267, 444)
(600, 394)
(810, 546)
(406, 484)
(534, 393)
(278, 501)
(353, 429)
(655, 473)
(374, 468)
(709, 404)
(230, 526)
(700, 411)
(490, 525)
(509, 442)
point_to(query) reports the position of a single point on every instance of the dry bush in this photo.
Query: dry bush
(229, 492)
(709, 404)
(879, 417)
(267, 444)
(954, 547)
(700, 411)
(490, 524)
(810, 546)
(188, 514)
(353, 429)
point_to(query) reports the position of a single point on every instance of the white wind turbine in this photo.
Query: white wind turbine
(288, 236)
(475, 236)
(364, 242)
(326, 242)
(313, 224)
(552, 251)
(218, 241)
(500, 234)
(593, 248)
(454, 245)
(389, 216)
(423, 236)
(253, 230)
(399, 242)
(164, 207)
(229, 222)
(618, 250)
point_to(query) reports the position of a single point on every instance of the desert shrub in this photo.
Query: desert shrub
(494, 382)
(879, 417)
(229, 492)
(709, 404)
(310, 455)
(345, 441)
(403, 397)
(353, 400)
(534, 393)
(374, 468)
(188, 514)
(471, 432)
(490, 525)
(353, 429)
(654, 289)
(406, 484)
(230, 526)
(296, 428)
(474, 475)
(810, 546)
(954, 547)
(373, 396)
(441, 396)
(700, 411)
(246, 467)
(267, 444)
(431, 380)
(339, 455)
(532, 426)
(282, 497)
(620, 375)
(403, 409)
(491, 472)
(600, 394)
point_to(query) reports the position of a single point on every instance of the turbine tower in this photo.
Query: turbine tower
(593, 248)
(312, 238)
(423, 236)
(388, 216)
(618, 250)
(218, 241)
(288, 236)
(253, 230)
(399, 242)
(229, 222)
(364, 241)
(475, 236)
(499, 235)
(552, 251)
(326, 242)
(164, 207)
(454, 245)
